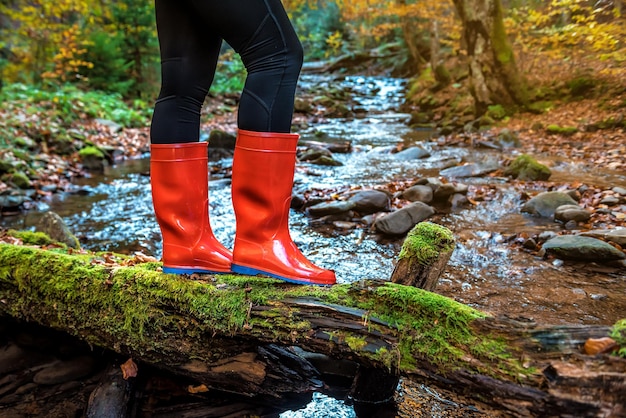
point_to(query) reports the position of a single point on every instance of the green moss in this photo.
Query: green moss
(20, 179)
(618, 333)
(563, 130)
(496, 112)
(32, 238)
(426, 241)
(91, 151)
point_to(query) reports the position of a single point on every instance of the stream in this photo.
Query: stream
(114, 212)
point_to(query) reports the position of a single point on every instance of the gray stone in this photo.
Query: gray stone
(369, 201)
(444, 191)
(412, 153)
(54, 226)
(546, 203)
(575, 213)
(13, 201)
(418, 193)
(401, 221)
(617, 235)
(581, 248)
(469, 170)
(619, 190)
(610, 201)
(331, 208)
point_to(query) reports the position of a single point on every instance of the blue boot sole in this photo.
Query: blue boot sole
(249, 271)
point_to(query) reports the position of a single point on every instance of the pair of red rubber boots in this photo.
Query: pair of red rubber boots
(263, 170)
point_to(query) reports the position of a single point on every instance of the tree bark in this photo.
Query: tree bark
(494, 77)
(236, 333)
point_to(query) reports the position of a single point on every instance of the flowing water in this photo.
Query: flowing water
(485, 271)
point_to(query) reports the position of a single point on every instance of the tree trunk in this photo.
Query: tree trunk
(494, 77)
(236, 333)
(411, 36)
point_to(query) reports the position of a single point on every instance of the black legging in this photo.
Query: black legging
(190, 37)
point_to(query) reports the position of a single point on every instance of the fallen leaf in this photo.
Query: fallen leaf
(129, 369)
(595, 346)
(197, 389)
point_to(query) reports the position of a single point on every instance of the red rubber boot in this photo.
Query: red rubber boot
(180, 195)
(263, 169)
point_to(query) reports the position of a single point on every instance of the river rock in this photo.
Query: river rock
(546, 203)
(65, 371)
(446, 190)
(412, 153)
(401, 221)
(13, 201)
(221, 139)
(369, 201)
(565, 213)
(527, 168)
(576, 247)
(54, 226)
(312, 154)
(610, 201)
(331, 208)
(619, 190)
(418, 193)
(470, 170)
(617, 235)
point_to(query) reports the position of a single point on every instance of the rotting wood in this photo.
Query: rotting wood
(235, 333)
(425, 253)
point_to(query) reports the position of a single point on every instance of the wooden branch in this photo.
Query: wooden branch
(235, 333)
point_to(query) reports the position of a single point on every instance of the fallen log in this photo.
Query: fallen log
(235, 333)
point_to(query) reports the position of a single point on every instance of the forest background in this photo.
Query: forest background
(68, 61)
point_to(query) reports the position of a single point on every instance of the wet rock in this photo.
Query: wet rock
(93, 159)
(221, 139)
(574, 213)
(65, 371)
(470, 170)
(369, 201)
(610, 201)
(313, 154)
(546, 203)
(526, 168)
(458, 200)
(546, 235)
(401, 221)
(619, 190)
(617, 235)
(412, 153)
(418, 193)
(13, 201)
(54, 226)
(581, 248)
(444, 191)
(331, 208)
(326, 161)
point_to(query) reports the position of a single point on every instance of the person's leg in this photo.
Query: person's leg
(189, 53)
(178, 162)
(260, 31)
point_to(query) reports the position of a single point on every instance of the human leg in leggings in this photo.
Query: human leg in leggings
(190, 35)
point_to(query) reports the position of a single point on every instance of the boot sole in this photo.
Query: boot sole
(249, 271)
(187, 270)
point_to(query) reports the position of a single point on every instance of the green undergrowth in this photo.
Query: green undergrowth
(85, 292)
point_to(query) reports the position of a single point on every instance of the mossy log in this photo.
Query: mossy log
(235, 333)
